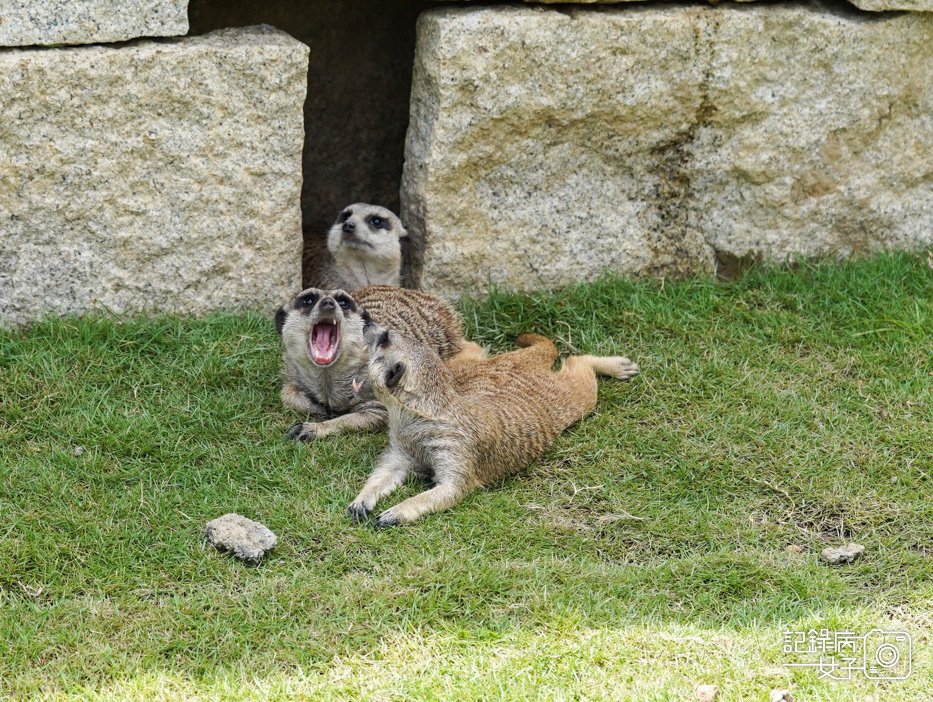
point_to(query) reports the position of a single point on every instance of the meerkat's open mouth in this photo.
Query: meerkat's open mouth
(323, 343)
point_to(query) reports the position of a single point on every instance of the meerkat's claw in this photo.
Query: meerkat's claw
(387, 519)
(301, 431)
(626, 369)
(358, 512)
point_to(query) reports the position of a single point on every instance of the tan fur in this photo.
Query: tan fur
(467, 424)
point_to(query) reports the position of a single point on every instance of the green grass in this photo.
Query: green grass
(645, 554)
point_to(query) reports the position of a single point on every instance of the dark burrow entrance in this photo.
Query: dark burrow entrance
(356, 112)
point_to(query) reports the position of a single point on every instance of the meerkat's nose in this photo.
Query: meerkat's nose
(349, 227)
(328, 304)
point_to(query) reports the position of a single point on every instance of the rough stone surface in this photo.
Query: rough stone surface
(707, 693)
(885, 5)
(160, 176)
(28, 22)
(546, 147)
(842, 554)
(873, 5)
(244, 538)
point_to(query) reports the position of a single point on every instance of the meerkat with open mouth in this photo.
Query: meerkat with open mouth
(325, 355)
(464, 426)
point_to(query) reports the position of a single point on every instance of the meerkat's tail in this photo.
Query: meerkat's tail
(537, 346)
(528, 339)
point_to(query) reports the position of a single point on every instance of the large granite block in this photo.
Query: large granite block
(871, 5)
(548, 146)
(43, 22)
(158, 176)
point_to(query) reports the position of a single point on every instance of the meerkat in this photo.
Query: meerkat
(325, 356)
(365, 245)
(467, 424)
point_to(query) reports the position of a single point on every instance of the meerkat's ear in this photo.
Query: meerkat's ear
(367, 319)
(394, 374)
(384, 340)
(280, 315)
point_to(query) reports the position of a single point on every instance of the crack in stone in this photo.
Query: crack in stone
(675, 188)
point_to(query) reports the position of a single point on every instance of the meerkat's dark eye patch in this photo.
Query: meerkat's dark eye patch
(394, 374)
(346, 303)
(307, 302)
(344, 216)
(384, 340)
(367, 319)
(377, 222)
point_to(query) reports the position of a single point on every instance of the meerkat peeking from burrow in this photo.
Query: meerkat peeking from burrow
(463, 425)
(325, 356)
(365, 246)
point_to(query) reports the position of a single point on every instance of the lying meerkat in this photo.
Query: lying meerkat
(325, 356)
(364, 244)
(469, 423)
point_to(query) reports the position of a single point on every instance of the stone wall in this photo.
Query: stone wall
(546, 146)
(872, 5)
(44, 22)
(155, 176)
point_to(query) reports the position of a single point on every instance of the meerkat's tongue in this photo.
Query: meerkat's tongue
(324, 340)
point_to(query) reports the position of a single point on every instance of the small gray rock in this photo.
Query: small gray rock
(707, 693)
(244, 538)
(780, 696)
(78, 451)
(842, 554)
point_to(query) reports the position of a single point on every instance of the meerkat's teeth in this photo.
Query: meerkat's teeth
(323, 342)
(319, 382)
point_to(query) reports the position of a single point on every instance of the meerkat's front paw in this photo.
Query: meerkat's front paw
(302, 431)
(623, 368)
(387, 519)
(358, 511)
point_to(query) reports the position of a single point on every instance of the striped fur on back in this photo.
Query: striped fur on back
(421, 316)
